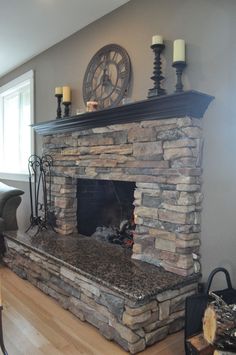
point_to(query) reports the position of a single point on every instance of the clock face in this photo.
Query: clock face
(107, 77)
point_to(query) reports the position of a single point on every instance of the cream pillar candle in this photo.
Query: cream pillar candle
(157, 39)
(58, 90)
(66, 94)
(179, 51)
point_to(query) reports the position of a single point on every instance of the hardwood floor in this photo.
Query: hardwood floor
(34, 324)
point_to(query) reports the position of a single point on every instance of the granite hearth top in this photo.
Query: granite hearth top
(104, 263)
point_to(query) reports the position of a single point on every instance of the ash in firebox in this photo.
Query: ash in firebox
(121, 236)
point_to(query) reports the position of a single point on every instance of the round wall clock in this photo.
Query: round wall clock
(107, 76)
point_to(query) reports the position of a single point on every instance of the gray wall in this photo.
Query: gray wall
(209, 28)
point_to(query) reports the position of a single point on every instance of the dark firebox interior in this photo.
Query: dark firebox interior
(103, 203)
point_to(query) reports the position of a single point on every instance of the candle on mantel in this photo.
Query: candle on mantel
(58, 90)
(66, 94)
(179, 51)
(157, 39)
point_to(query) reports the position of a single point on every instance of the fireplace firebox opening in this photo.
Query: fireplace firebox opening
(105, 210)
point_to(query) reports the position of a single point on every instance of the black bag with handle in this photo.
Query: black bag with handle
(195, 305)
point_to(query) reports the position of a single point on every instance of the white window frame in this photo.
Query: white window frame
(4, 90)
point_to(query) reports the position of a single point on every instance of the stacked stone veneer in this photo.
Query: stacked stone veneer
(132, 324)
(163, 157)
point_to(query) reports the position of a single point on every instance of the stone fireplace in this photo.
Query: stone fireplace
(159, 148)
(154, 149)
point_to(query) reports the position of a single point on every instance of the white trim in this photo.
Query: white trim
(6, 90)
(14, 177)
(17, 81)
(31, 77)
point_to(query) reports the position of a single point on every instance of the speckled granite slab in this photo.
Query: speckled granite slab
(105, 263)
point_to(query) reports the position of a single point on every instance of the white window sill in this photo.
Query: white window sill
(14, 176)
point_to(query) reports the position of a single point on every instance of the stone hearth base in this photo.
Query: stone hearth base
(134, 303)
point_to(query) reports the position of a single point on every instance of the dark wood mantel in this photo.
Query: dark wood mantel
(189, 103)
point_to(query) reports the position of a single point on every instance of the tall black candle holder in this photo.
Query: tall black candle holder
(59, 97)
(157, 77)
(179, 66)
(67, 108)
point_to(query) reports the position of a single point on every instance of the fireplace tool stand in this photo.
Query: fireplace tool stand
(42, 214)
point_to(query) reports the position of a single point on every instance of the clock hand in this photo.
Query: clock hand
(104, 75)
(102, 89)
(96, 87)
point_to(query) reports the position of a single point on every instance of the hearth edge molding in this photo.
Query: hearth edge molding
(189, 103)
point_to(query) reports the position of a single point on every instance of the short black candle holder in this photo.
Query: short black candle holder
(179, 66)
(59, 97)
(157, 77)
(67, 108)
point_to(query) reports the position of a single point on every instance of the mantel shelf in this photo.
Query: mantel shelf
(188, 103)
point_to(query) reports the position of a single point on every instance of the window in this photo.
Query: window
(16, 137)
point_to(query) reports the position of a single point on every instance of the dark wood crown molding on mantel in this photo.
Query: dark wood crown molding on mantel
(189, 103)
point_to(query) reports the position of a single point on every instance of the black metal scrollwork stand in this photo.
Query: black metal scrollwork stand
(42, 214)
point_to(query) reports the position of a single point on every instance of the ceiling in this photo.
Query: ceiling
(28, 27)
